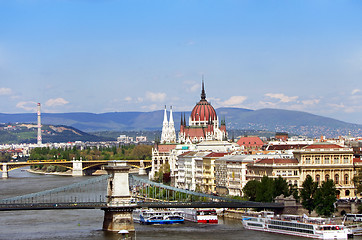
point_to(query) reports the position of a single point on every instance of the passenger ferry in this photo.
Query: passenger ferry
(158, 217)
(304, 226)
(200, 215)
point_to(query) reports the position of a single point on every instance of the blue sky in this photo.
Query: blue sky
(106, 56)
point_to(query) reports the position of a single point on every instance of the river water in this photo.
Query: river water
(87, 224)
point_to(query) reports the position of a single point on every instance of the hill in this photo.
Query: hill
(27, 133)
(294, 122)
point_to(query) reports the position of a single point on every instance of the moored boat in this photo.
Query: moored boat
(319, 228)
(159, 217)
(200, 215)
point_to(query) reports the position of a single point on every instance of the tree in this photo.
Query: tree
(309, 189)
(266, 190)
(325, 198)
(250, 189)
(357, 180)
(280, 187)
(293, 190)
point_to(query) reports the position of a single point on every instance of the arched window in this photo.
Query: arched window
(327, 177)
(347, 192)
(346, 179)
(317, 178)
(336, 179)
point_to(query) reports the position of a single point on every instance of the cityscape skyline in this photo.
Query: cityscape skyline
(118, 56)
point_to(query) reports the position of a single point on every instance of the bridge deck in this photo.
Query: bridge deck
(103, 205)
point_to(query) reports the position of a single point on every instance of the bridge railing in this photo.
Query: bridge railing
(91, 190)
(139, 181)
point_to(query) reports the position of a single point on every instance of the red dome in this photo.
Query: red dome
(203, 111)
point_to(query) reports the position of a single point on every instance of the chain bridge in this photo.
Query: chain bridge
(78, 167)
(118, 193)
(91, 194)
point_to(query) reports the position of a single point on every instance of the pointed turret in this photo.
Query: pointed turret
(171, 128)
(203, 94)
(164, 135)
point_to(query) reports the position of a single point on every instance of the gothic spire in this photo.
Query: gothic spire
(203, 94)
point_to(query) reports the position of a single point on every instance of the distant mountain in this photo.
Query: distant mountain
(295, 122)
(27, 133)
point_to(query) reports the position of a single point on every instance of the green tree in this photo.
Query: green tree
(265, 192)
(357, 180)
(325, 198)
(250, 189)
(307, 194)
(293, 190)
(280, 187)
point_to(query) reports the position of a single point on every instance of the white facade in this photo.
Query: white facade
(168, 129)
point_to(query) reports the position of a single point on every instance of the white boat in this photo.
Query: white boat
(158, 217)
(200, 215)
(303, 226)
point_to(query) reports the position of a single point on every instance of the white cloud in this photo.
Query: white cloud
(5, 91)
(139, 99)
(192, 86)
(354, 91)
(56, 102)
(282, 98)
(234, 100)
(311, 101)
(152, 107)
(155, 97)
(263, 104)
(128, 99)
(28, 106)
(334, 105)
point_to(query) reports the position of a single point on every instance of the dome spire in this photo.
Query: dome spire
(203, 94)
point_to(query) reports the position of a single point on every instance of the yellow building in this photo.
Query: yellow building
(208, 184)
(324, 161)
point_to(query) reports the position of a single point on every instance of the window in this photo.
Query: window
(326, 160)
(317, 178)
(336, 160)
(327, 177)
(347, 192)
(307, 160)
(346, 179)
(336, 179)
(345, 160)
(295, 173)
(317, 160)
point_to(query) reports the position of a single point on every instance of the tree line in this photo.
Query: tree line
(129, 152)
(312, 196)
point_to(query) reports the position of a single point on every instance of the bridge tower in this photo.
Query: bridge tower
(5, 170)
(118, 213)
(77, 167)
(142, 170)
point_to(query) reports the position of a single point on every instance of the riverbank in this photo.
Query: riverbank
(67, 173)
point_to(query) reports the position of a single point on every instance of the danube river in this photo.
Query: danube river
(87, 224)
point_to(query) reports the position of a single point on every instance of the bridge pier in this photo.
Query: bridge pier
(118, 213)
(77, 168)
(5, 170)
(142, 170)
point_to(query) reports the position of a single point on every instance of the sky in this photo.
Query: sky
(140, 55)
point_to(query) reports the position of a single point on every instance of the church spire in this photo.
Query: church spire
(203, 94)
